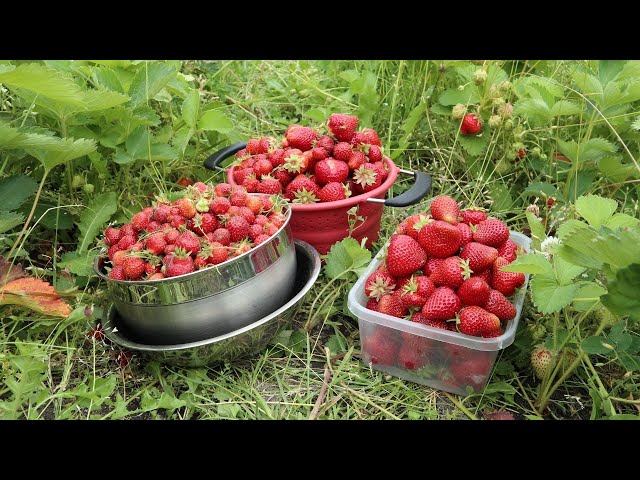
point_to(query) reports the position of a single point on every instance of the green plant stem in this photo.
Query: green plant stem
(460, 407)
(602, 388)
(310, 316)
(33, 209)
(625, 400)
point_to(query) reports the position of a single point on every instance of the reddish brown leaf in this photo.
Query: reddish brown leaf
(35, 294)
(9, 272)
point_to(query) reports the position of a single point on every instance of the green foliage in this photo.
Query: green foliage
(345, 258)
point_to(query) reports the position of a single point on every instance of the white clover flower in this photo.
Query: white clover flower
(548, 246)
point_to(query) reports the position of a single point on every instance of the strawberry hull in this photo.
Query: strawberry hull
(441, 359)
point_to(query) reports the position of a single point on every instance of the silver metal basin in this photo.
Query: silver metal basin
(210, 302)
(239, 343)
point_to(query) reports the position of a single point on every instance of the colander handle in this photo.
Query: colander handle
(214, 161)
(421, 186)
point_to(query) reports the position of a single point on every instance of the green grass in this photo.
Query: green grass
(53, 369)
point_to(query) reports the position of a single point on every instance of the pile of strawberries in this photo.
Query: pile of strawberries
(309, 167)
(206, 226)
(444, 270)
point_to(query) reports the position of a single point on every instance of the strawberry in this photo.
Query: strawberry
(446, 209)
(156, 276)
(178, 263)
(331, 170)
(491, 232)
(391, 305)
(218, 253)
(255, 230)
(222, 190)
(367, 178)
(551, 201)
(508, 250)
(373, 137)
(432, 265)
(542, 361)
(118, 257)
(333, 191)
(156, 243)
(265, 144)
(302, 189)
(498, 304)
(113, 249)
(219, 205)
(319, 153)
(486, 275)
(476, 321)
(418, 317)
(411, 358)
(127, 230)
(471, 372)
(360, 138)
(480, 256)
(126, 242)
(267, 203)
(473, 216)
(356, 160)
(416, 291)
(412, 225)
(136, 247)
(283, 177)
(465, 232)
(153, 226)
(374, 154)
(238, 228)
(220, 235)
(380, 347)
(343, 126)
(372, 304)
(294, 162)
(471, 124)
(171, 235)
(141, 219)
(242, 154)
(505, 282)
(238, 196)
(379, 284)
(342, 151)
(202, 223)
(440, 239)
(277, 157)
(184, 182)
(404, 256)
(261, 220)
(254, 204)
(201, 187)
(253, 146)
(153, 266)
(169, 248)
(133, 267)
(277, 218)
(188, 241)
(247, 214)
(117, 273)
(326, 142)
(262, 167)
(251, 183)
(111, 235)
(260, 239)
(381, 169)
(161, 213)
(443, 304)
(200, 261)
(452, 272)
(474, 291)
(186, 207)
(301, 138)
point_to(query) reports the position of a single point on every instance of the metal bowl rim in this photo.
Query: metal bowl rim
(315, 272)
(102, 256)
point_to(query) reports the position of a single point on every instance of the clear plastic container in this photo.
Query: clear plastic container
(440, 359)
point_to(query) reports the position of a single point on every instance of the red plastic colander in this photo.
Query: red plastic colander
(323, 224)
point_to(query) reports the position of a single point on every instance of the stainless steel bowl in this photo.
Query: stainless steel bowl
(209, 302)
(233, 345)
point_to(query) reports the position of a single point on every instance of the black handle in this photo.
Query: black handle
(214, 161)
(421, 186)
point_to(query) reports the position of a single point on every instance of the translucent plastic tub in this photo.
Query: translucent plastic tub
(441, 359)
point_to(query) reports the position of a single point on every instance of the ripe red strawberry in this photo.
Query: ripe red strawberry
(141, 219)
(446, 209)
(242, 154)
(261, 220)
(465, 232)
(171, 235)
(267, 203)
(451, 273)
(201, 187)
(188, 241)
(471, 124)
(260, 239)
(480, 256)
(117, 273)
(265, 144)
(485, 274)
(254, 204)
(476, 321)
(111, 235)
(379, 284)
(551, 201)
(508, 250)
(412, 358)
(178, 263)
(262, 167)
(219, 253)
(319, 153)
(184, 182)
(326, 142)
(295, 162)
(380, 347)
(418, 317)
(492, 232)
(253, 146)
(238, 196)
(161, 213)
(373, 137)
(137, 247)
(474, 291)
(391, 305)
(381, 169)
(127, 230)
(133, 267)
(283, 177)
(156, 276)
(247, 214)
(367, 178)
(153, 226)
(356, 160)
(219, 205)
(473, 216)
(505, 282)
(432, 265)
(374, 154)
(118, 257)
(425, 286)
(404, 256)
(169, 248)
(372, 304)
(277, 157)
(186, 207)
(498, 304)
(343, 126)
(200, 261)
(255, 230)
(238, 228)
(222, 190)
(333, 191)
(277, 218)
(440, 239)
(443, 304)
(412, 225)
(153, 266)
(220, 235)
(113, 249)
(302, 190)
(251, 183)
(415, 292)
(155, 243)
(360, 138)
(342, 151)
(302, 138)
(126, 242)
(331, 170)
(472, 372)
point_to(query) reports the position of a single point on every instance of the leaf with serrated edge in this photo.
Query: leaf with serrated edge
(346, 256)
(93, 217)
(622, 297)
(534, 263)
(595, 209)
(537, 230)
(549, 296)
(587, 297)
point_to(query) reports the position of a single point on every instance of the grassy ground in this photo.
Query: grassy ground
(56, 369)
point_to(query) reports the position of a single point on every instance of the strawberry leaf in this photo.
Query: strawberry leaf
(537, 230)
(595, 209)
(94, 216)
(549, 296)
(345, 257)
(534, 263)
(622, 297)
(587, 298)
